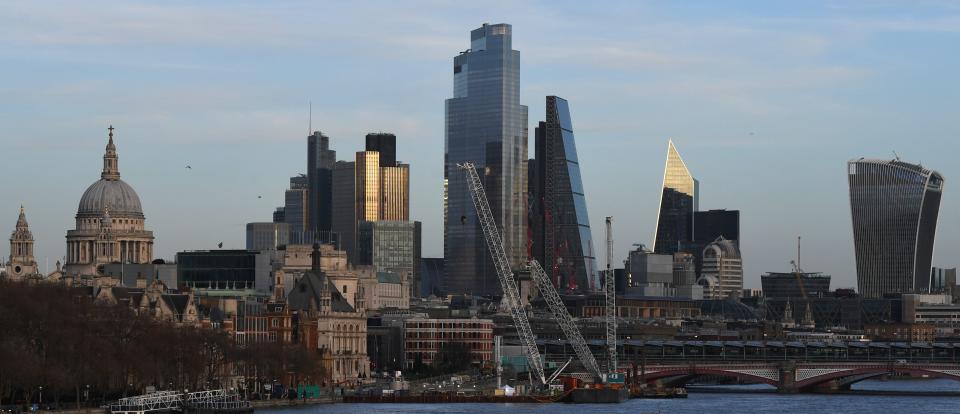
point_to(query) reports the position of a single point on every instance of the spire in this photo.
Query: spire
(22, 220)
(110, 169)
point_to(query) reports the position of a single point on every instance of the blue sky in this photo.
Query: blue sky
(766, 101)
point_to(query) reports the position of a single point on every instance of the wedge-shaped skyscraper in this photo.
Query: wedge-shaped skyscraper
(894, 206)
(678, 201)
(559, 224)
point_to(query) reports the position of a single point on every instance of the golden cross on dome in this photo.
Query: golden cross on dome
(111, 130)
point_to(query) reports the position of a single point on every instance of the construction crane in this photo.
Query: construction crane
(807, 319)
(507, 282)
(563, 318)
(797, 272)
(611, 302)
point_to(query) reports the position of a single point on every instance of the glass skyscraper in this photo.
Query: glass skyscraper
(562, 242)
(678, 202)
(486, 125)
(320, 161)
(894, 206)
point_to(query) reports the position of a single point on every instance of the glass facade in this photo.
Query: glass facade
(395, 192)
(344, 211)
(678, 201)
(368, 186)
(391, 246)
(320, 161)
(386, 144)
(375, 193)
(267, 236)
(485, 124)
(559, 225)
(296, 209)
(224, 269)
(894, 206)
(787, 285)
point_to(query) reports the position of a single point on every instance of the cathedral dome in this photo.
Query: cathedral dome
(115, 195)
(110, 192)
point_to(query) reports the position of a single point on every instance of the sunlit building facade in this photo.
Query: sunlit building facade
(378, 192)
(722, 273)
(486, 125)
(678, 202)
(894, 206)
(559, 225)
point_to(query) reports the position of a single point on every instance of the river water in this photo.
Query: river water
(699, 403)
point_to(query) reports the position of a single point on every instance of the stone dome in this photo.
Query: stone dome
(116, 195)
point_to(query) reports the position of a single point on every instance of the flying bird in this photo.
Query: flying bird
(259, 196)
(189, 167)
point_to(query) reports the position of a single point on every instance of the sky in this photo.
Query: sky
(766, 101)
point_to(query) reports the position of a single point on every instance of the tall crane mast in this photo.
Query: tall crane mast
(507, 282)
(611, 302)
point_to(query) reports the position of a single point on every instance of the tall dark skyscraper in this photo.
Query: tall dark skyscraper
(894, 206)
(707, 227)
(486, 125)
(559, 225)
(320, 161)
(344, 211)
(386, 144)
(710, 224)
(678, 201)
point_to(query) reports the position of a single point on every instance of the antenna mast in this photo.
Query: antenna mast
(310, 122)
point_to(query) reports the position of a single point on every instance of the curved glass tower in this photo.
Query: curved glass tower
(559, 224)
(678, 201)
(486, 125)
(894, 206)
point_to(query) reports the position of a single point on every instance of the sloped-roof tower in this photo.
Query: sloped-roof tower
(678, 201)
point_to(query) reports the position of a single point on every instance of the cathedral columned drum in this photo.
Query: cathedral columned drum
(110, 223)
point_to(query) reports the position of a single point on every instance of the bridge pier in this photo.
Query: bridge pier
(788, 377)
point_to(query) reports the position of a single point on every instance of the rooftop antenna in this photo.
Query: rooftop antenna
(896, 156)
(798, 252)
(310, 123)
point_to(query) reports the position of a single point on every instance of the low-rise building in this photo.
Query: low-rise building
(937, 310)
(901, 332)
(630, 306)
(425, 338)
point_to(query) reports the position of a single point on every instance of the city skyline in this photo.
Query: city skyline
(770, 144)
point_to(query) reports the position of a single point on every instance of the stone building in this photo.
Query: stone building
(154, 301)
(722, 273)
(330, 324)
(109, 223)
(22, 263)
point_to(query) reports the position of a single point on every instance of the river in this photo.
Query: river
(699, 403)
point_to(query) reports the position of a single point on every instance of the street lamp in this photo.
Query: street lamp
(41, 395)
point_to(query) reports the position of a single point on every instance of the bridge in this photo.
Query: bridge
(791, 376)
(169, 401)
(788, 366)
